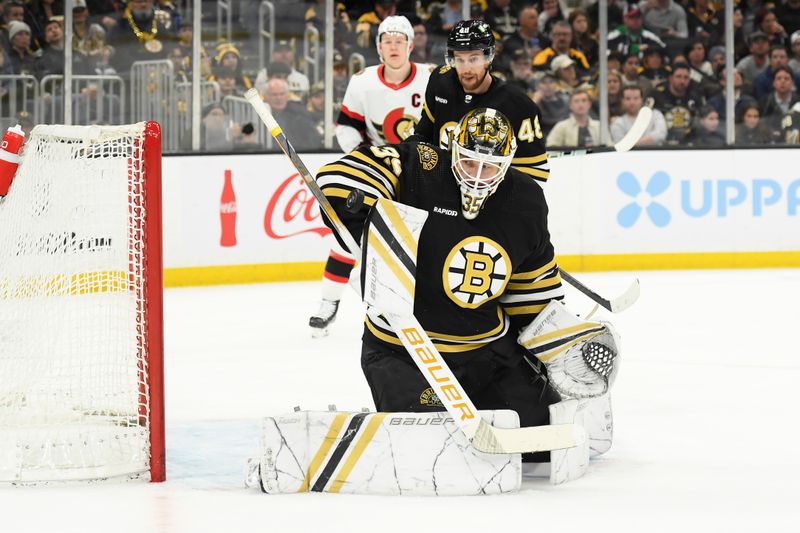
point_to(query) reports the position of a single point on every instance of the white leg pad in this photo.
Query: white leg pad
(570, 463)
(379, 453)
(599, 424)
(594, 415)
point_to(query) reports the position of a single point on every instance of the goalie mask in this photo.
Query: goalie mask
(482, 147)
(395, 24)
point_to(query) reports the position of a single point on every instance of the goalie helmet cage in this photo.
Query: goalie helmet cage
(81, 323)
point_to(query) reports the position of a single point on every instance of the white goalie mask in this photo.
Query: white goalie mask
(482, 147)
(395, 24)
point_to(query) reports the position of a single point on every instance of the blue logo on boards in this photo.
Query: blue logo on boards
(707, 198)
(656, 185)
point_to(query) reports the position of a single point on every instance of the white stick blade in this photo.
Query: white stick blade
(640, 125)
(627, 299)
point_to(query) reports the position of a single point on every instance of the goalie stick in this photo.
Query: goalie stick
(620, 303)
(483, 436)
(631, 294)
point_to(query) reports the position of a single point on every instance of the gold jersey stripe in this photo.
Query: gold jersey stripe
(357, 451)
(525, 310)
(533, 274)
(501, 319)
(358, 174)
(322, 452)
(336, 192)
(540, 284)
(501, 324)
(535, 172)
(372, 164)
(428, 112)
(529, 160)
(444, 348)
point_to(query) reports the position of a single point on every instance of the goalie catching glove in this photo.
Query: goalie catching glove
(582, 357)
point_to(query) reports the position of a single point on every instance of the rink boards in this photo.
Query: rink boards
(626, 211)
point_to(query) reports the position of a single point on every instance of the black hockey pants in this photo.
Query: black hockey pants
(493, 381)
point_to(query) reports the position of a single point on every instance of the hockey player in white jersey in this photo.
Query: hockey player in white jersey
(382, 105)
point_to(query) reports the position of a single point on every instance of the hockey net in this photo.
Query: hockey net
(81, 388)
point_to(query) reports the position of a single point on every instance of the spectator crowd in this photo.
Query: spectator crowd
(667, 54)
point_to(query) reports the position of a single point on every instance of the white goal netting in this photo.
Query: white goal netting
(75, 398)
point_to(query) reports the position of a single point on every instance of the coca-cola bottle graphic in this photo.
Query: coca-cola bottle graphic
(227, 213)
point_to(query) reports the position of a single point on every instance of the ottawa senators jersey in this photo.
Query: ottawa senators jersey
(478, 280)
(446, 102)
(381, 111)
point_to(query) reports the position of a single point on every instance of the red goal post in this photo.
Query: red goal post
(81, 313)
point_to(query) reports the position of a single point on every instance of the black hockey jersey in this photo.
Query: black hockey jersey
(446, 102)
(477, 280)
(679, 112)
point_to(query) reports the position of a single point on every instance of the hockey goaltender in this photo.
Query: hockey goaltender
(462, 238)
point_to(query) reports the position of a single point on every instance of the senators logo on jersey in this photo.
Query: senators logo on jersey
(397, 126)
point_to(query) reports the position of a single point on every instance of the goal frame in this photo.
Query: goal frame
(154, 307)
(96, 407)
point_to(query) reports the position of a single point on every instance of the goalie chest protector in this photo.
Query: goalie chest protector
(464, 267)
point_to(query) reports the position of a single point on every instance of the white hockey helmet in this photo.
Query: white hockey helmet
(395, 24)
(482, 147)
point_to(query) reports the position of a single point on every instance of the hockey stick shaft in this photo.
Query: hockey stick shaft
(620, 303)
(275, 130)
(483, 437)
(637, 130)
(422, 350)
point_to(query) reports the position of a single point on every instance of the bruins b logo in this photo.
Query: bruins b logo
(476, 270)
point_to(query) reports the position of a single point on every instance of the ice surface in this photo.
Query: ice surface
(706, 420)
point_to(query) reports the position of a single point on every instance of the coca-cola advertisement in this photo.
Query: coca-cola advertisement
(227, 212)
(293, 210)
(244, 211)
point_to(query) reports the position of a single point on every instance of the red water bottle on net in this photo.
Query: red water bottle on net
(227, 212)
(9, 156)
